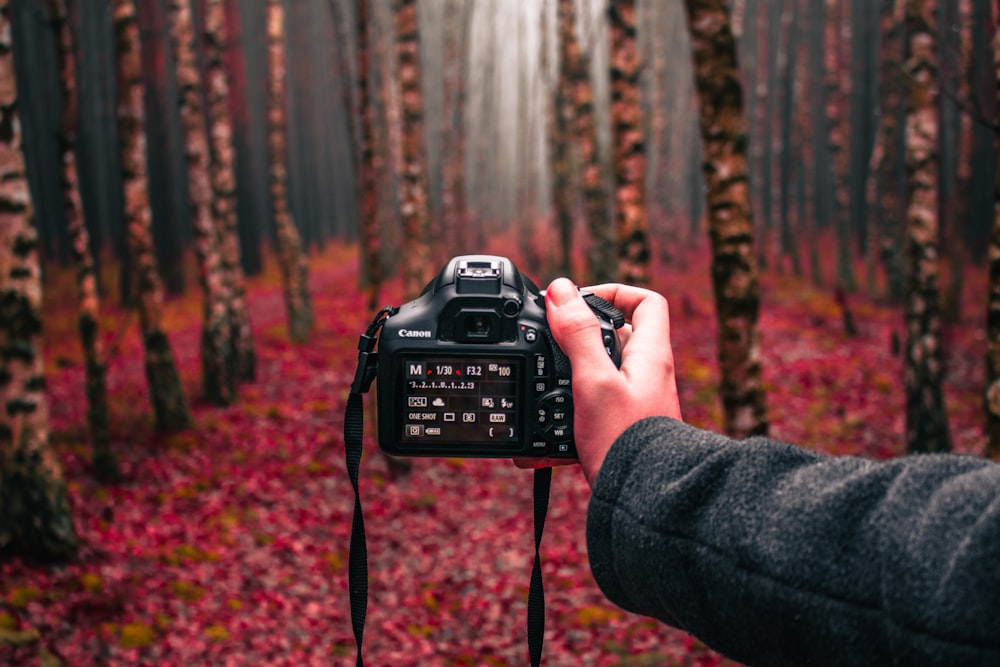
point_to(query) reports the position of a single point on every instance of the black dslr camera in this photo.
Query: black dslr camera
(469, 368)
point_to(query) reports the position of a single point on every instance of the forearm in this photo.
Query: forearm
(775, 555)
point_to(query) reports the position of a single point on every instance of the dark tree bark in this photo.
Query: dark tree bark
(926, 421)
(166, 177)
(992, 395)
(734, 270)
(105, 464)
(291, 255)
(631, 226)
(35, 517)
(371, 245)
(247, 94)
(560, 148)
(169, 401)
(838, 91)
(886, 206)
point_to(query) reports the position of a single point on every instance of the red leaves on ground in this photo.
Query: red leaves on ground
(227, 544)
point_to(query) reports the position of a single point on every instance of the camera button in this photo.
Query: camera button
(530, 335)
(539, 444)
(541, 386)
(541, 365)
(543, 416)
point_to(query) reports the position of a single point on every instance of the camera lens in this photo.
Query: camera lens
(478, 325)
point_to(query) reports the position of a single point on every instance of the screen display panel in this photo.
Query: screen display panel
(461, 400)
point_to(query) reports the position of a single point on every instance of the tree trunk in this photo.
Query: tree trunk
(560, 149)
(371, 242)
(223, 179)
(992, 397)
(455, 209)
(105, 464)
(885, 205)
(217, 362)
(291, 255)
(734, 270)
(926, 421)
(631, 226)
(601, 255)
(35, 517)
(167, 394)
(414, 205)
(838, 85)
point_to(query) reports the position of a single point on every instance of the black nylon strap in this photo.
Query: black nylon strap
(536, 592)
(357, 572)
(354, 431)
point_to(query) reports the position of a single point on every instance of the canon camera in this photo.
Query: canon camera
(469, 368)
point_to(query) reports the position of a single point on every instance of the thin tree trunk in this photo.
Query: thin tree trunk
(368, 227)
(734, 270)
(959, 220)
(838, 84)
(785, 80)
(291, 255)
(926, 421)
(560, 153)
(601, 255)
(105, 465)
(35, 517)
(167, 394)
(885, 205)
(223, 178)
(992, 396)
(414, 206)
(632, 228)
(455, 213)
(218, 373)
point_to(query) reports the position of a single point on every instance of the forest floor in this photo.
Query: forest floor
(227, 544)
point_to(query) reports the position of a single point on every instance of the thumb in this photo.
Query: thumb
(575, 327)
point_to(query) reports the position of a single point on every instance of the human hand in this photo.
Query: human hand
(607, 400)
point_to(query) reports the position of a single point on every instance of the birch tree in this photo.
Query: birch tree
(926, 421)
(217, 362)
(734, 269)
(35, 518)
(414, 207)
(105, 464)
(222, 173)
(291, 255)
(631, 225)
(371, 243)
(169, 401)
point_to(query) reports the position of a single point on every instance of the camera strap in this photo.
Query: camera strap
(357, 572)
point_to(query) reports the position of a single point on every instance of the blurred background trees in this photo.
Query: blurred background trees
(599, 139)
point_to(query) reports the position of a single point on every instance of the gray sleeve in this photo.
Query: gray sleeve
(775, 555)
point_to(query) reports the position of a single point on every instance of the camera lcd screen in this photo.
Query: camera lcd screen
(461, 400)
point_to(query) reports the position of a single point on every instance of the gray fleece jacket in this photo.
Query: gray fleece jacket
(775, 555)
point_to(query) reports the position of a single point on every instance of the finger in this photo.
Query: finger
(575, 328)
